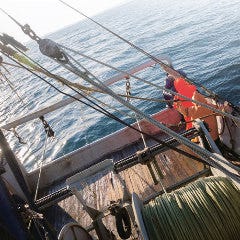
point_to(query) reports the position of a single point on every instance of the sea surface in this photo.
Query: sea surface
(201, 37)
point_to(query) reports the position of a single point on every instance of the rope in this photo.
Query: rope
(165, 67)
(12, 65)
(108, 114)
(203, 153)
(155, 85)
(37, 67)
(39, 177)
(124, 40)
(212, 159)
(27, 30)
(209, 157)
(207, 209)
(78, 86)
(139, 127)
(128, 95)
(88, 89)
(113, 108)
(11, 86)
(40, 170)
(151, 165)
(4, 68)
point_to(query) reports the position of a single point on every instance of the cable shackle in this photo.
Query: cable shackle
(49, 131)
(28, 31)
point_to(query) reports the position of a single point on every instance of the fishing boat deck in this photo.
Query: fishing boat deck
(103, 189)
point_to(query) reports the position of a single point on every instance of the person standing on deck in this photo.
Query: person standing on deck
(196, 111)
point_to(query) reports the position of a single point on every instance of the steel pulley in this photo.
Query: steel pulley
(52, 50)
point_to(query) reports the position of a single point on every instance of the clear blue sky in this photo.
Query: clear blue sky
(46, 16)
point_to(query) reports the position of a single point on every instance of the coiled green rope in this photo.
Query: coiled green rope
(206, 209)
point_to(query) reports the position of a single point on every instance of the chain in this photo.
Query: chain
(20, 139)
(128, 97)
(128, 89)
(49, 131)
(28, 31)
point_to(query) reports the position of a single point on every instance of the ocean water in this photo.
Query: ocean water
(201, 37)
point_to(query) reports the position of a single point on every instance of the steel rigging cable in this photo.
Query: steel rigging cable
(126, 124)
(75, 70)
(100, 85)
(155, 85)
(209, 161)
(85, 88)
(52, 50)
(167, 68)
(209, 157)
(27, 30)
(105, 112)
(81, 87)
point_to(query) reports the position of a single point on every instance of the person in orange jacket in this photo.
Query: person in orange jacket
(186, 89)
(196, 111)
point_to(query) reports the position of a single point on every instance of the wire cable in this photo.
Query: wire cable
(203, 153)
(152, 84)
(101, 110)
(167, 68)
(83, 88)
(210, 157)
